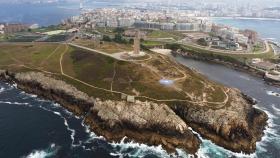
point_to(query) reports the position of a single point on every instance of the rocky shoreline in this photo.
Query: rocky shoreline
(236, 127)
(144, 122)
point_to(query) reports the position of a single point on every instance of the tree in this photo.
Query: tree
(173, 47)
(106, 38)
(202, 42)
(119, 39)
(119, 30)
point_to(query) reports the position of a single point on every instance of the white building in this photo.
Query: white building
(240, 38)
(225, 33)
(184, 27)
(2, 28)
(206, 27)
(196, 27)
(112, 23)
(125, 22)
(147, 25)
(167, 26)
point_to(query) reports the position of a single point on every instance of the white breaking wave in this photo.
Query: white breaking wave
(270, 134)
(38, 154)
(2, 89)
(13, 103)
(91, 135)
(72, 131)
(277, 109)
(14, 85)
(273, 93)
(33, 95)
(50, 151)
(56, 105)
(123, 148)
(208, 150)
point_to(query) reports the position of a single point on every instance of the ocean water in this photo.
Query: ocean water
(43, 15)
(266, 28)
(49, 14)
(35, 128)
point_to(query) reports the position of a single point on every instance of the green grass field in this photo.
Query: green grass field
(152, 43)
(138, 79)
(165, 34)
(223, 56)
(107, 47)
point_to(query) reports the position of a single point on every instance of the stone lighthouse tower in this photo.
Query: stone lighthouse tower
(137, 42)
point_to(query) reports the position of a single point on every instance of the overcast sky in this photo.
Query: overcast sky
(260, 2)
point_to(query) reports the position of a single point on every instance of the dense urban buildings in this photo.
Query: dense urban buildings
(218, 36)
(12, 28)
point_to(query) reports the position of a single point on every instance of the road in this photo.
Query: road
(182, 42)
(200, 103)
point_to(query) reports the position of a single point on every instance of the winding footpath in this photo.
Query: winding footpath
(219, 104)
(32, 67)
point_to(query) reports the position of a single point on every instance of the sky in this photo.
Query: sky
(252, 2)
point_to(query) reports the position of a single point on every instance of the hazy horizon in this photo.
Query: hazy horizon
(252, 2)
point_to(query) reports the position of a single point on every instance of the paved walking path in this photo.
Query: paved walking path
(222, 104)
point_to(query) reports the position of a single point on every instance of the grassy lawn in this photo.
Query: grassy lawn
(107, 31)
(165, 34)
(107, 47)
(258, 48)
(102, 72)
(20, 37)
(239, 57)
(49, 28)
(31, 54)
(152, 43)
(3, 38)
(99, 70)
(57, 38)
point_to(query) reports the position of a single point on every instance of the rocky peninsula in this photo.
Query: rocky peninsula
(237, 126)
(145, 122)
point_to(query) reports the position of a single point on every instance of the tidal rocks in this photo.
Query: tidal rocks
(144, 122)
(237, 126)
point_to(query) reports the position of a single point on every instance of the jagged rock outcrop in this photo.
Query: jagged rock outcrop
(144, 122)
(237, 126)
(59, 91)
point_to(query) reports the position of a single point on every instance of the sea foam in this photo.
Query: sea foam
(133, 149)
(50, 151)
(72, 131)
(2, 89)
(271, 93)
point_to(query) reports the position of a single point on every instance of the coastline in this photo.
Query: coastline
(242, 18)
(105, 118)
(264, 36)
(171, 135)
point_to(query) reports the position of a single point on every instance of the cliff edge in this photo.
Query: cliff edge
(236, 126)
